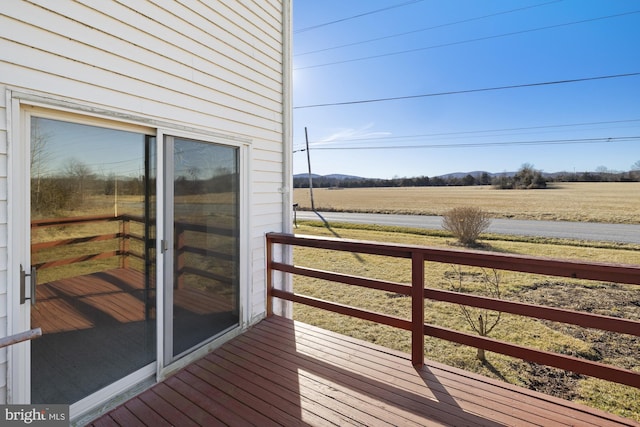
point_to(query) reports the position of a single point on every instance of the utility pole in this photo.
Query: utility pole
(306, 137)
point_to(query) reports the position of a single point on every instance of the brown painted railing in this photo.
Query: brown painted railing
(124, 235)
(124, 251)
(182, 248)
(627, 274)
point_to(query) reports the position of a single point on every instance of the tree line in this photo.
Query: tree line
(526, 178)
(76, 185)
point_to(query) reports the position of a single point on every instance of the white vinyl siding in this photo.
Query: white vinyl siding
(204, 86)
(3, 243)
(215, 66)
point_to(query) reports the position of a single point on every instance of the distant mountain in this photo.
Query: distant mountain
(334, 176)
(306, 176)
(474, 174)
(341, 177)
(453, 175)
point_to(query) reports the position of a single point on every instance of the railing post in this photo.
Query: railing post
(124, 242)
(269, 256)
(417, 309)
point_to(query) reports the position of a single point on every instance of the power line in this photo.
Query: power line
(473, 132)
(477, 18)
(490, 144)
(458, 92)
(466, 41)
(356, 16)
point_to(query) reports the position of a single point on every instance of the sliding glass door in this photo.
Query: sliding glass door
(202, 295)
(92, 257)
(93, 276)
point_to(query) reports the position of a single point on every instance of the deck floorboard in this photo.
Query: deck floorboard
(286, 373)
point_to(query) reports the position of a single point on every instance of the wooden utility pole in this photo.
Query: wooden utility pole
(306, 137)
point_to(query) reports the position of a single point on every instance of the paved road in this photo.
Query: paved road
(620, 233)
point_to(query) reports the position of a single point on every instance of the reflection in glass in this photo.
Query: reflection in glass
(206, 212)
(92, 240)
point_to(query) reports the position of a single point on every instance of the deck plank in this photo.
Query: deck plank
(314, 396)
(144, 412)
(505, 405)
(186, 407)
(401, 402)
(165, 410)
(124, 417)
(219, 408)
(280, 403)
(548, 407)
(287, 373)
(236, 399)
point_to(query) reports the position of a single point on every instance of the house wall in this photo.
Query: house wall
(213, 66)
(3, 246)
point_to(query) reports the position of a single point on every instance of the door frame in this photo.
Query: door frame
(18, 236)
(19, 369)
(164, 211)
(19, 251)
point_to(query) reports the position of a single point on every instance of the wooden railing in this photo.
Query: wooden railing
(124, 235)
(183, 244)
(627, 274)
(182, 248)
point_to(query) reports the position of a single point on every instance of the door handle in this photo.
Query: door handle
(33, 281)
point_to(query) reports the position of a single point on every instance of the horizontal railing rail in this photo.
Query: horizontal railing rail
(123, 236)
(626, 274)
(183, 247)
(124, 250)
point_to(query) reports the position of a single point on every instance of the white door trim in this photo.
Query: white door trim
(19, 253)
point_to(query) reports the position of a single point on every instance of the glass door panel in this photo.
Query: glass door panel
(92, 243)
(203, 300)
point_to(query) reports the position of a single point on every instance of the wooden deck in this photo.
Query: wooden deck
(99, 327)
(284, 373)
(81, 302)
(117, 295)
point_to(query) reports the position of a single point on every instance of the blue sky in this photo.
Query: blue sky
(403, 48)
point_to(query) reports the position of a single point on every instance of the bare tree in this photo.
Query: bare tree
(482, 321)
(40, 157)
(79, 171)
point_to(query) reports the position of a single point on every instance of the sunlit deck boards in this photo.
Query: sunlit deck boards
(78, 303)
(118, 295)
(286, 373)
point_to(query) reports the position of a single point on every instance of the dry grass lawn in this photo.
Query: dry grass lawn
(609, 202)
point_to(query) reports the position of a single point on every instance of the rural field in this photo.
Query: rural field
(596, 202)
(607, 202)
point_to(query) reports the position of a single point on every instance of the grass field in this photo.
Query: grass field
(607, 299)
(609, 202)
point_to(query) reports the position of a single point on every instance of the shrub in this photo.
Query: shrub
(466, 223)
(525, 179)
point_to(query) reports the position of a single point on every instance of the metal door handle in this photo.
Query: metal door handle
(33, 280)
